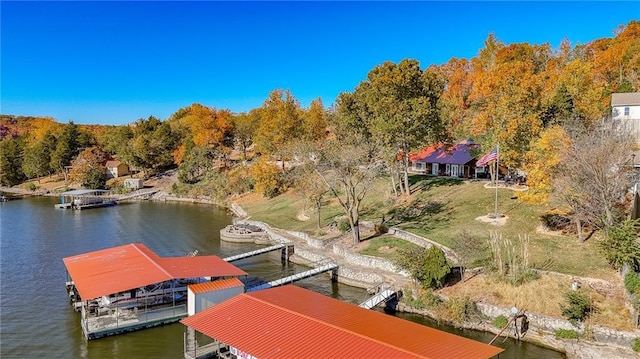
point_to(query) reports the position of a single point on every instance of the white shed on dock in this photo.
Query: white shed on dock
(204, 295)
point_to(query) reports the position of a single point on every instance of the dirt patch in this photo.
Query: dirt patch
(490, 218)
(387, 249)
(302, 217)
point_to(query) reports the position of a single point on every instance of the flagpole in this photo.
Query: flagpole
(496, 184)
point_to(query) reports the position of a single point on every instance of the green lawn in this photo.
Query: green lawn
(386, 246)
(439, 209)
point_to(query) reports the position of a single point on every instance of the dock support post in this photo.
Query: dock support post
(287, 251)
(334, 275)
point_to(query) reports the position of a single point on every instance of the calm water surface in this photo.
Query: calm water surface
(36, 320)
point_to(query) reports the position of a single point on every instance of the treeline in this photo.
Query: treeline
(523, 96)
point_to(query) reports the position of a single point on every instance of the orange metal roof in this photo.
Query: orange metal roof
(130, 266)
(216, 285)
(292, 322)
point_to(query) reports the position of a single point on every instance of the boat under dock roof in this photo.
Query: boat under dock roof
(131, 266)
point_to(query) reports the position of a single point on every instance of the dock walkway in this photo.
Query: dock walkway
(295, 277)
(139, 193)
(378, 298)
(253, 253)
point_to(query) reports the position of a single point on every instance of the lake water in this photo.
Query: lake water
(36, 320)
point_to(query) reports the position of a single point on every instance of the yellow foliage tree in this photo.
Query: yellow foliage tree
(542, 162)
(267, 177)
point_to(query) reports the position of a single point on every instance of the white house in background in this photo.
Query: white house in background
(626, 107)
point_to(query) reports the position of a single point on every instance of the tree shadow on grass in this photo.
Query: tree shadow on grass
(425, 182)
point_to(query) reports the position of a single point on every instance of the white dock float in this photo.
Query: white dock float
(377, 299)
(295, 277)
(253, 253)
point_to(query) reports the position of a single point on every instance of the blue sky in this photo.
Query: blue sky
(115, 62)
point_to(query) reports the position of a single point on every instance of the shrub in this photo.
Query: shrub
(428, 266)
(31, 186)
(459, 310)
(427, 299)
(343, 225)
(578, 306)
(567, 334)
(636, 345)
(500, 321)
(555, 221)
(632, 282)
(620, 247)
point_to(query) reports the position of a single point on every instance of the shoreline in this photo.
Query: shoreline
(572, 348)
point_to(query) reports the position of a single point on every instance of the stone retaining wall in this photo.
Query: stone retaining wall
(551, 324)
(365, 261)
(312, 242)
(423, 242)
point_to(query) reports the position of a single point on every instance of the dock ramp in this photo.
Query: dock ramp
(295, 277)
(378, 298)
(138, 193)
(254, 253)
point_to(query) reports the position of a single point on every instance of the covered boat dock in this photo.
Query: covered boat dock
(85, 198)
(129, 287)
(292, 322)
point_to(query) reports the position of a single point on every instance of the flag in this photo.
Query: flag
(491, 156)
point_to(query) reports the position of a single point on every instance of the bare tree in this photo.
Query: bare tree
(596, 173)
(348, 165)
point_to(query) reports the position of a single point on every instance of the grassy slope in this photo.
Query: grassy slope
(460, 204)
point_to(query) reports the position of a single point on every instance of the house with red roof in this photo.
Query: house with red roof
(454, 160)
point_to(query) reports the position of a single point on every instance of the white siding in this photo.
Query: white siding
(632, 121)
(197, 302)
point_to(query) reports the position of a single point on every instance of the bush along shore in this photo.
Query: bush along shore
(577, 340)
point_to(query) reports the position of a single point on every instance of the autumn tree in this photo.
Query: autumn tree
(314, 121)
(245, 126)
(399, 103)
(89, 168)
(268, 178)
(279, 124)
(542, 164)
(595, 174)
(506, 101)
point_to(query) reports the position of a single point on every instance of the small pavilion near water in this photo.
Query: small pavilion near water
(292, 322)
(129, 287)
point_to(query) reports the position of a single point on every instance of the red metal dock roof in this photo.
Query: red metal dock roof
(216, 285)
(292, 322)
(130, 266)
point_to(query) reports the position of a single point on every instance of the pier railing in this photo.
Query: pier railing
(126, 318)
